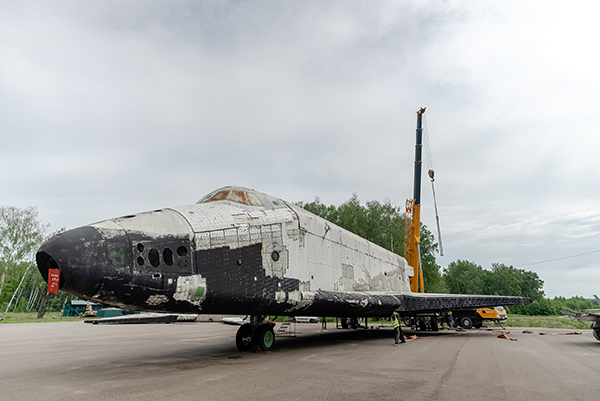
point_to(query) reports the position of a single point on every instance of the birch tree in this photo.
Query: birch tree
(21, 234)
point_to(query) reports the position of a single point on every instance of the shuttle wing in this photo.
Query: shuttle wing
(354, 303)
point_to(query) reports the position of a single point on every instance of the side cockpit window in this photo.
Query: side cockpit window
(221, 195)
(253, 199)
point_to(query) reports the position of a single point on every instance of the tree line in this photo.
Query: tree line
(21, 234)
(383, 224)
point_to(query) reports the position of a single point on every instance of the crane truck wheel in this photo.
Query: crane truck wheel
(597, 334)
(466, 322)
(408, 320)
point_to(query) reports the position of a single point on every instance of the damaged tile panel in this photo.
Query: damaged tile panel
(159, 223)
(191, 289)
(318, 227)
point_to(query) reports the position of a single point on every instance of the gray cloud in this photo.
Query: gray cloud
(117, 107)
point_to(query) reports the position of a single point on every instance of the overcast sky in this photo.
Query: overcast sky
(114, 107)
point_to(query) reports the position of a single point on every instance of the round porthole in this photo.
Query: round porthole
(140, 248)
(275, 256)
(140, 261)
(182, 251)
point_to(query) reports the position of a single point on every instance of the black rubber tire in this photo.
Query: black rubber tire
(597, 334)
(313, 321)
(353, 322)
(408, 320)
(265, 337)
(466, 322)
(243, 337)
(344, 323)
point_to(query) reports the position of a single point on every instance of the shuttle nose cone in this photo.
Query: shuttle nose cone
(84, 256)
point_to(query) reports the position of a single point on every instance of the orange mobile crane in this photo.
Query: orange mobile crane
(412, 220)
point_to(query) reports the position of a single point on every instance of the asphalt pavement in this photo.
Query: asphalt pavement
(199, 361)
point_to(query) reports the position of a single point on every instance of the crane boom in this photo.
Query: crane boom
(412, 247)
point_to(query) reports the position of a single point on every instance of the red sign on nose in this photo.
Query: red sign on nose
(53, 280)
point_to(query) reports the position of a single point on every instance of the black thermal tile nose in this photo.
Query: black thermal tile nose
(83, 258)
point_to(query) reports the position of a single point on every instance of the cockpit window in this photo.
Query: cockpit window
(253, 199)
(237, 196)
(234, 195)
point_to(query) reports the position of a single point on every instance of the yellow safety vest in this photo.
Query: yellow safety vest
(395, 322)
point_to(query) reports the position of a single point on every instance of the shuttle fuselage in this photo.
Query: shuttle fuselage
(238, 251)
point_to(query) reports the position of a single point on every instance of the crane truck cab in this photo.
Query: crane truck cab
(465, 318)
(475, 317)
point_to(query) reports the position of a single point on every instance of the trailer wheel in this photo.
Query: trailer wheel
(408, 320)
(466, 322)
(597, 334)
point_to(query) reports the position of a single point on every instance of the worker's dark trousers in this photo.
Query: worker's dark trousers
(398, 332)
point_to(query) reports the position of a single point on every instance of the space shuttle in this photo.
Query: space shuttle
(239, 251)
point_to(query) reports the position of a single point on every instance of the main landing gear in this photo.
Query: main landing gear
(256, 333)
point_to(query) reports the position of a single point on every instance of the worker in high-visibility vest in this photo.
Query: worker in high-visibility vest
(397, 329)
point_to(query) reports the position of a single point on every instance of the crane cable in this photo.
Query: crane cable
(437, 217)
(429, 159)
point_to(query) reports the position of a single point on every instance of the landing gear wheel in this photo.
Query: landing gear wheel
(466, 322)
(243, 338)
(265, 337)
(597, 334)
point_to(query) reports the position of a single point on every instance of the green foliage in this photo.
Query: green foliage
(432, 275)
(464, 277)
(382, 224)
(21, 234)
(538, 307)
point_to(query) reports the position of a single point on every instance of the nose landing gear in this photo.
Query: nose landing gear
(256, 333)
